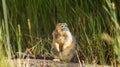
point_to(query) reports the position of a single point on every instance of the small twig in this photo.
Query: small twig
(78, 59)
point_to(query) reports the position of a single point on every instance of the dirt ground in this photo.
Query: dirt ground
(41, 61)
(47, 63)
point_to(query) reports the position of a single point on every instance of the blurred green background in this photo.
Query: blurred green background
(31, 22)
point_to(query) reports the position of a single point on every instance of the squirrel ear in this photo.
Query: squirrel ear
(65, 24)
(58, 23)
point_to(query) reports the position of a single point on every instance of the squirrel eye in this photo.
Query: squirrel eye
(62, 26)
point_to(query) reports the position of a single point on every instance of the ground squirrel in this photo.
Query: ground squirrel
(63, 46)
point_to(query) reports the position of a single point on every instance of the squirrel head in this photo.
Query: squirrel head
(62, 27)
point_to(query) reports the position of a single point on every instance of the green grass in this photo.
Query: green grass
(28, 23)
(116, 39)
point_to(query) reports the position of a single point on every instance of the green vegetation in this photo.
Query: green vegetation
(29, 23)
(116, 39)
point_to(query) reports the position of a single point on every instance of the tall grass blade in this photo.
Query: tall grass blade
(6, 27)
